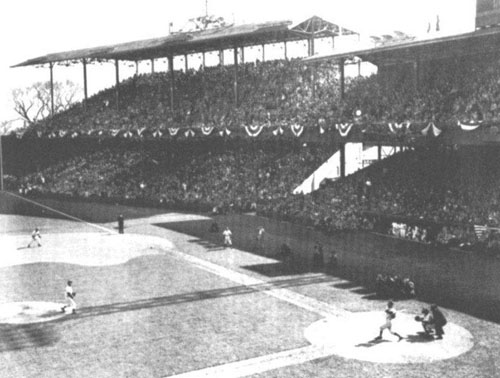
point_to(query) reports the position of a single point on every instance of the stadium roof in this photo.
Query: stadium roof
(474, 43)
(198, 41)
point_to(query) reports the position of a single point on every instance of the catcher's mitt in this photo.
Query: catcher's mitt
(418, 318)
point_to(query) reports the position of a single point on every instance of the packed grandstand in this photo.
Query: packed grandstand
(209, 155)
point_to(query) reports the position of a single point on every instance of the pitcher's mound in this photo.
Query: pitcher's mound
(29, 312)
(353, 336)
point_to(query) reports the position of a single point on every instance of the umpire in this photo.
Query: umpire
(439, 321)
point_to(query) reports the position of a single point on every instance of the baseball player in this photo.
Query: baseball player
(70, 298)
(390, 314)
(259, 245)
(427, 321)
(227, 237)
(35, 237)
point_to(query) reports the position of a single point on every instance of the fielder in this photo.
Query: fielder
(390, 314)
(227, 237)
(70, 298)
(35, 237)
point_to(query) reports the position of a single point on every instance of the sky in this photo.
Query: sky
(30, 28)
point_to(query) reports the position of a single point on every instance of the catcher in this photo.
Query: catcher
(427, 321)
(70, 297)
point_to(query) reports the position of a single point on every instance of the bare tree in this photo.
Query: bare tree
(33, 103)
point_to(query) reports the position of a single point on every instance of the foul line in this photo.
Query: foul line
(307, 303)
(259, 365)
(268, 362)
(61, 213)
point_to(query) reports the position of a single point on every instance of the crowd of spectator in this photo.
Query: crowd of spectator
(289, 92)
(441, 193)
(235, 175)
(428, 194)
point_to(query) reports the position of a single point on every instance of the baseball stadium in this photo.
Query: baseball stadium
(274, 217)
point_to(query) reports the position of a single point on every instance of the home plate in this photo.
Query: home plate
(353, 336)
(29, 312)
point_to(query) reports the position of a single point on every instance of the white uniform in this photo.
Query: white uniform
(227, 237)
(69, 299)
(390, 313)
(35, 237)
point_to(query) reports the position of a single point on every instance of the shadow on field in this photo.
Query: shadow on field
(208, 245)
(193, 297)
(16, 337)
(277, 269)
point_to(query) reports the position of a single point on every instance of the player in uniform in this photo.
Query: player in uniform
(427, 321)
(70, 298)
(259, 245)
(227, 237)
(390, 314)
(35, 238)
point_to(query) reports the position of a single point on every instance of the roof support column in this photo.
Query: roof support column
(203, 60)
(221, 57)
(136, 68)
(311, 46)
(313, 80)
(51, 67)
(242, 55)
(342, 160)
(152, 66)
(342, 78)
(185, 63)
(263, 53)
(235, 53)
(117, 80)
(172, 77)
(85, 92)
(285, 51)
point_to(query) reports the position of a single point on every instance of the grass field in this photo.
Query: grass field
(155, 303)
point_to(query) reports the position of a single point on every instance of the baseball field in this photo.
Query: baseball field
(154, 302)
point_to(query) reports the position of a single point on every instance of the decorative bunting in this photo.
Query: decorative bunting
(51, 135)
(207, 130)
(469, 126)
(189, 133)
(39, 134)
(226, 131)
(140, 131)
(74, 134)
(321, 130)
(173, 131)
(398, 127)
(343, 128)
(254, 130)
(114, 132)
(127, 134)
(157, 134)
(62, 133)
(278, 131)
(432, 128)
(297, 130)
